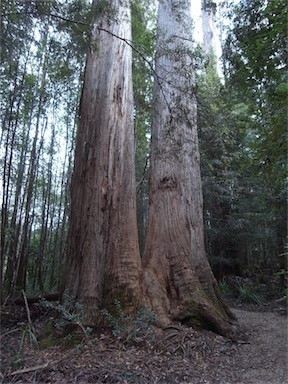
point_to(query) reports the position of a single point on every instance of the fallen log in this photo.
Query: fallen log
(19, 300)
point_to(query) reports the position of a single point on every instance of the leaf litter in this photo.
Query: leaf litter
(258, 355)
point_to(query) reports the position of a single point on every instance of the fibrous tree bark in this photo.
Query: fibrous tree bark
(103, 260)
(177, 277)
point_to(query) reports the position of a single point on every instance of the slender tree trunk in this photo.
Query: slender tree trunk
(19, 281)
(9, 241)
(20, 273)
(208, 13)
(15, 223)
(103, 261)
(178, 278)
(47, 210)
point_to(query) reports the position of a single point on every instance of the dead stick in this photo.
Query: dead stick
(43, 366)
(28, 313)
(31, 369)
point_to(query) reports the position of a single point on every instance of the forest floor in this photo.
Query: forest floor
(174, 355)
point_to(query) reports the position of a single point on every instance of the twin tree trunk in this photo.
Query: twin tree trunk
(103, 260)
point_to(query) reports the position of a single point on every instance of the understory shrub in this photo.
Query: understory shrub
(130, 327)
(248, 293)
(70, 316)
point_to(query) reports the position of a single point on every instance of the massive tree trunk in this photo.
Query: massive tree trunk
(103, 260)
(178, 278)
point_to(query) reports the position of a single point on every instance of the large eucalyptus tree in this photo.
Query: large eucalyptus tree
(178, 277)
(103, 259)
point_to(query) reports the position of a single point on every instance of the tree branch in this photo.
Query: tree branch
(128, 42)
(65, 19)
(48, 14)
(31, 369)
(28, 313)
(143, 175)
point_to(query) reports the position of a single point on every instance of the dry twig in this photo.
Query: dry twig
(28, 313)
(30, 369)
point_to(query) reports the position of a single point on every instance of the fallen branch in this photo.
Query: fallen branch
(42, 366)
(33, 299)
(8, 332)
(31, 369)
(28, 313)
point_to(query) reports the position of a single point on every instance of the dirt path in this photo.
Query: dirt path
(264, 359)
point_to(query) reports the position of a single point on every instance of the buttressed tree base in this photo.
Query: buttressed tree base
(103, 261)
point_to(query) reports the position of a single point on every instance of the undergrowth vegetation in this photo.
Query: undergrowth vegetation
(258, 290)
(130, 327)
(66, 324)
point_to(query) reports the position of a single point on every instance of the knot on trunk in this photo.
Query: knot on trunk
(168, 182)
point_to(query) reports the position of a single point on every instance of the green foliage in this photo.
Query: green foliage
(27, 336)
(128, 327)
(243, 141)
(43, 53)
(218, 137)
(282, 273)
(70, 312)
(224, 287)
(282, 301)
(247, 293)
(256, 44)
(256, 58)
(73, 20)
